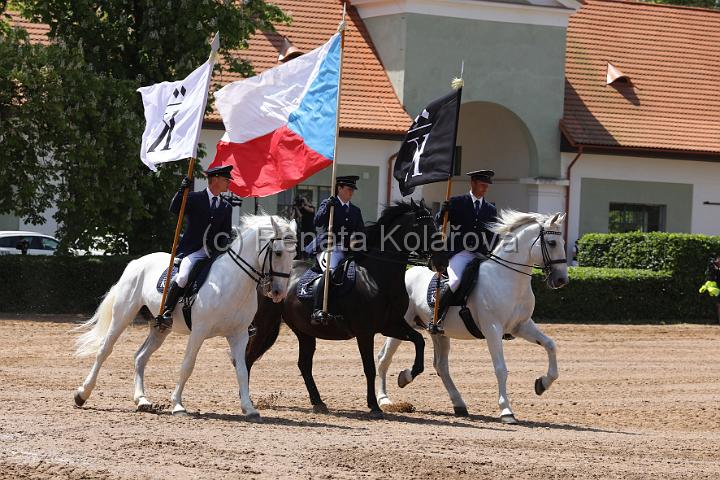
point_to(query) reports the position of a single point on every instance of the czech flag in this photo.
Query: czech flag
(280, 125)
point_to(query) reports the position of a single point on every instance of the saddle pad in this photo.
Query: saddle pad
(195, 283)
(161, 281)
(307, 283)
(432, 286)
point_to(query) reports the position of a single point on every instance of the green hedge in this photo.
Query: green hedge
(36, 284)
(674, 252)
(608, 295)
(683, 256)
(56, 284)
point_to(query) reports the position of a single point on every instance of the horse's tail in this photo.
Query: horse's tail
(97, 327)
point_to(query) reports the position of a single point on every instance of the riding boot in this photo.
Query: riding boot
(445, 297)
(165, 321)
(319, 317)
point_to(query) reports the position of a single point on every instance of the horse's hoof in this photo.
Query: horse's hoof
(376, 415)
(404, 378)
(320, 408)
(144, 406)
(179, 411)
(461, 412)
(539, 387)
(383, 401)
(508, 419)
(254, 417)
(79, 400)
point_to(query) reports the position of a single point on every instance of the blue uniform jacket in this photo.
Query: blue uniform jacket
(345, 224)
(203, 228)
(464, 226)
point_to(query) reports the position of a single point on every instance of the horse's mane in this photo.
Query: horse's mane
(510, 219)
(391, 212)
(387, 217)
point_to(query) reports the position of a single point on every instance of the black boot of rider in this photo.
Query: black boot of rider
(165, 321)
(319, 317)
(445, 296)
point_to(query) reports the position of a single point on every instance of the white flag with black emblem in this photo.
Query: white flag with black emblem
(174, 113)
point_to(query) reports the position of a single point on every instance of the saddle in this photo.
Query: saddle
(196, 279)
(467, 283)
(342, 280)
(459, 298)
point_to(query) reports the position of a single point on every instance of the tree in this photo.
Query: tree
(86, 148)
(689, 3)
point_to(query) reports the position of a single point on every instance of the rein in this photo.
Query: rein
(547, 260)
(260, 277)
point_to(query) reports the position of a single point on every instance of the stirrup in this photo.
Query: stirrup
(435, 328)
(319, 317)
(162, 322)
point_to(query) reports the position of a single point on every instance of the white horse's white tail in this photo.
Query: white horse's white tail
(97, 327)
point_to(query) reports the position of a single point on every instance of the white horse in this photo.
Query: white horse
(501, 303)
(261, 255)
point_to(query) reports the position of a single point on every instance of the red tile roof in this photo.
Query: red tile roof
(368, 101)
(37, 31)
(672, 57)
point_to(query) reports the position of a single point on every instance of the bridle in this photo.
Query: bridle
(262, 278)
(548, 262)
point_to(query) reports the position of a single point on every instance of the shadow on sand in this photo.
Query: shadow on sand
(529, 423)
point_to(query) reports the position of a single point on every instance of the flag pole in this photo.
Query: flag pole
(214, 46)
(458, 85)
(331, 235)
(178, 227)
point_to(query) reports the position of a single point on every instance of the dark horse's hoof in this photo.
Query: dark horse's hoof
(78, 399)
(539, 387)
(320, 408)
(461, 412)
(376, 415)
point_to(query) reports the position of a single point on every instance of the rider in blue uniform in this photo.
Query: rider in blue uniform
(347, 220)
(469, 237)
(208, 230)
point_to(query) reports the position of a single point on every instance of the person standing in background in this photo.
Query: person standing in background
(304, 215)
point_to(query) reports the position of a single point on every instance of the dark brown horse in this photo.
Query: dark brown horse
(377, 304)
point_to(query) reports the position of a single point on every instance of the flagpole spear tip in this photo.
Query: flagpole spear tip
(458, 83)
(343, 23)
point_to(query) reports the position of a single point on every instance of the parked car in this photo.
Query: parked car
(11, 243)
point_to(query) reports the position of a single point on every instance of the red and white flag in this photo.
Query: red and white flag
(281, 125)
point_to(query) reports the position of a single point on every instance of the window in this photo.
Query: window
(457, 167)
(49, 243)
(9, 242)
(630, 217)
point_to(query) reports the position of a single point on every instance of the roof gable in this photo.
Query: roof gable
(672, 58)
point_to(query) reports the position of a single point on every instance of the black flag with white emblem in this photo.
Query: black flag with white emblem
(426, 155)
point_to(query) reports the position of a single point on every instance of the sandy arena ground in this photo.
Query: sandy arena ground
(631, 402)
